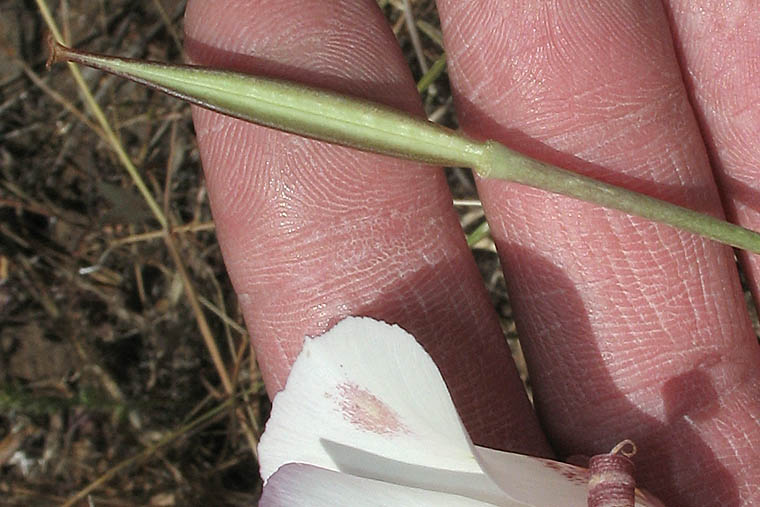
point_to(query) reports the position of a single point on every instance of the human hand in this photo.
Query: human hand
(632, 330)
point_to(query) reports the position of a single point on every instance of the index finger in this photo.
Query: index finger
(312, 232)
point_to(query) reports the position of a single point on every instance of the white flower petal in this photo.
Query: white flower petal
(366, 399)
(535, 481)
(296, 485)
(543, 482)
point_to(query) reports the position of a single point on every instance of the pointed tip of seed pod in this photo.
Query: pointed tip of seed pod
(55, 50)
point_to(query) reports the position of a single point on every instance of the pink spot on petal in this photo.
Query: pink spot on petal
(367, 412)
(574, 474)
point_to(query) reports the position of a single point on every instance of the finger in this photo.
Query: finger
(718, 45)
(633, 330)
(312, 232)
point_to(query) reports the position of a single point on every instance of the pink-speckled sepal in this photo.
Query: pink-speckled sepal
(612, 481)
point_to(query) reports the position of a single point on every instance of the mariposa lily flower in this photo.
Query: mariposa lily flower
(366, 420)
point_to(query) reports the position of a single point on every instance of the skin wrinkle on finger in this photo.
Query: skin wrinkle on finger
(240, 188)
(517, 64)
(692, 136)
(718, 45)
(290, 204)
(274, 349)
(337, 232)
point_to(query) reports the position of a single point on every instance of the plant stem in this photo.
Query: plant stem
(368, 126)
(432, 74)
(500, 162)
(480, 232)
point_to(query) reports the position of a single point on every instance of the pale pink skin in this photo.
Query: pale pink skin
(632, 330)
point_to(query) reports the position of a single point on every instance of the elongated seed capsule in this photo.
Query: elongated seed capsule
(292, 107)
(368, 126)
